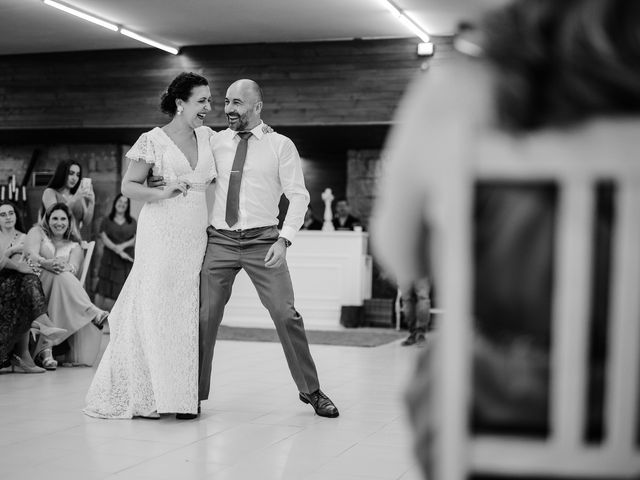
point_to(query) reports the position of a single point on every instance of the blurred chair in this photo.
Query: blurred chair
(84, 345)
(563, 453)
(88, 248)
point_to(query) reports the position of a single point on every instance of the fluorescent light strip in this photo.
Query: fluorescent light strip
(407, 21)
(110, 26)
(148, 41)
(82, 15)
(417, 31)
(392, 8)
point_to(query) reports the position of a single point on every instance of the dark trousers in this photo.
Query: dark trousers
(227, 252)
(416, 306)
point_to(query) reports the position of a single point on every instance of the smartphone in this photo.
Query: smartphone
(85, 183)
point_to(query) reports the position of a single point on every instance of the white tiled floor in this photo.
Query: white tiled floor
(253, 427)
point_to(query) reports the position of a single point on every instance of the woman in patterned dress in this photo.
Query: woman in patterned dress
(23, 306)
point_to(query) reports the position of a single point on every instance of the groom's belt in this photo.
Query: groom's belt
(247, 232)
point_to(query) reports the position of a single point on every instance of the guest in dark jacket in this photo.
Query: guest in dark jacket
(343, 220)
(310, 221)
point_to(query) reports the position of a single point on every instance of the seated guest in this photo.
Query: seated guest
(343, 220)
(66, 187)
(22, 302)
(54, 246)
(310, 221)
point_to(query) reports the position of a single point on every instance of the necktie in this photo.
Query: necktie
(233, 194)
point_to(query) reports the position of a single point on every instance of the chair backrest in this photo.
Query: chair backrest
(563, 452)
(88, 248)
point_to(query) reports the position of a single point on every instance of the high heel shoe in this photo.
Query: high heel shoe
(45, 360)
(53, 334)
(18, 366)
(151, 416)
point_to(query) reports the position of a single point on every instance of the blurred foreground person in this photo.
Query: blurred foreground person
(540, 79)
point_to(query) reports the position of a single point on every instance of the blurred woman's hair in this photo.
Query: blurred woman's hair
(61, 175)
(72, 232)
(127, 212)
(559, 62)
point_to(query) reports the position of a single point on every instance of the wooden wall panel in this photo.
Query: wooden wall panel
(319, 83)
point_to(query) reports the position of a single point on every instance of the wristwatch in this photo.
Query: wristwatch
(287, 243)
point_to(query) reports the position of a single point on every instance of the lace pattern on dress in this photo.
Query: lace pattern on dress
(151, 362)
(150, 150)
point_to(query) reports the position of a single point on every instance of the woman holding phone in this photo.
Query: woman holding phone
(68, 186)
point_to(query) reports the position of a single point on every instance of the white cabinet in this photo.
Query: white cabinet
(328, 270)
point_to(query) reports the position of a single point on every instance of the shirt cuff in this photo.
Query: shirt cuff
(288, 232)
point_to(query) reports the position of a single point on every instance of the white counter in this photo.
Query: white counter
(328, 270)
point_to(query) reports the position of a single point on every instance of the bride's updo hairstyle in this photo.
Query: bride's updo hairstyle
(180, 88)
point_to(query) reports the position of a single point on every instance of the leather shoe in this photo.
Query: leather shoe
(322, 404)
(188, 416)
(416, 338)
(410, 340)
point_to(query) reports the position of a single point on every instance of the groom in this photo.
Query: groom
(254, 169)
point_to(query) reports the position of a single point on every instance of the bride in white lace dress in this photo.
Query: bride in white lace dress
(151, 363)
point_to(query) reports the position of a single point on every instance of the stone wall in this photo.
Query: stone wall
(363, 168)
(363, 173)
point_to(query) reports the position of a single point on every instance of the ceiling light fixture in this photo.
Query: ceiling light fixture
(406, 20)
(82, 15)
(148, 41)
(110, 26)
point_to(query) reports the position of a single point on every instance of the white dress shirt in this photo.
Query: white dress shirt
(272, 167)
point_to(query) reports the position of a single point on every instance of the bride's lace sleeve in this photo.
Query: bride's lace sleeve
(148, 150)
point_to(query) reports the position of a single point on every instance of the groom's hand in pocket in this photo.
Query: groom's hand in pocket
(154, 181)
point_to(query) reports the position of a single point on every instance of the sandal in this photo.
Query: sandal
(45, 360)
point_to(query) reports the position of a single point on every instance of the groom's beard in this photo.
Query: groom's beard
(238, 123)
